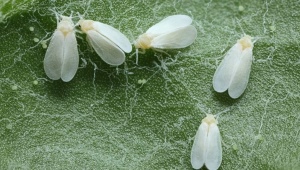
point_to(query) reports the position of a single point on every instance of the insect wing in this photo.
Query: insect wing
(198, 152)
(169, 24)
(107, 50)
(226, 70)
(113, 35)
(241, 76)
(179, 38)
(54, 56)
(213, 148)
(70, 59)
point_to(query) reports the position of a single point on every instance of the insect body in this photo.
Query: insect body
(108, 42)
(172, 32)
(61, 59)
(207, 145)
(234, 71)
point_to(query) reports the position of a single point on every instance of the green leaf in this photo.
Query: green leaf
(105, 118)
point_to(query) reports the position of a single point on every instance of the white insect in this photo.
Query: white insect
(234, 71)
(171, 33)
(61, 59)
(207, 145)
(108, 42)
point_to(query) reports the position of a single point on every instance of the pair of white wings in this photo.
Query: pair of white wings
(61, 59)
(234, 71)
(109, 43)
(207, 147)
(172, 32)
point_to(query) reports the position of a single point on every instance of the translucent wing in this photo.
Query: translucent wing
(169, 24)
(107, 50)
(241, 76)
(70, 59)
(113, 35)
(213, 148)
(199, 147)
(54, 56)
(179, 38)
(227, 68)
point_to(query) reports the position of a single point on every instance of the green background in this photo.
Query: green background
(105, 119)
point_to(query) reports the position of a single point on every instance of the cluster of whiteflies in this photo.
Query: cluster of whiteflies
(62, 59)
